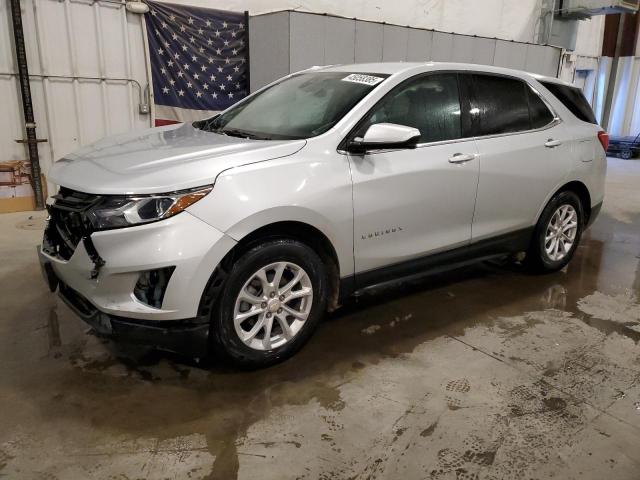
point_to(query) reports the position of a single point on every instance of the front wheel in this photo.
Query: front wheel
(625, 154)
(557, 233)
(274, 298)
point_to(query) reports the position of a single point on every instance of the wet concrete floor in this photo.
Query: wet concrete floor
(483, 372)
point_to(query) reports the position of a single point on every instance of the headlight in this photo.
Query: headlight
(124, 211)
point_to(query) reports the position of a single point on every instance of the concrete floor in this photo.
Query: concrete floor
(484, 372)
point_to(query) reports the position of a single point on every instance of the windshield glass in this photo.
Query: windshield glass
(301, 106)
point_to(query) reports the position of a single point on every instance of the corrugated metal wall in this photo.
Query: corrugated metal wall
(284, 42)
(88, 75)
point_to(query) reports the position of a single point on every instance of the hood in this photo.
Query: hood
(161, 159)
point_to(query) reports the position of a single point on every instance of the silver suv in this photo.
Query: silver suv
(238, 232)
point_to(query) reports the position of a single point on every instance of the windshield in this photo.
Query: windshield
(300, 106)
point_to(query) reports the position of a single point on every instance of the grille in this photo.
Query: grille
(67, 222)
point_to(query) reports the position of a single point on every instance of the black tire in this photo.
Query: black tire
(537, 260)
(625, 154)
(226, 343)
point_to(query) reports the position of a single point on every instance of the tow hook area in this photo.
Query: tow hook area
(95, 257)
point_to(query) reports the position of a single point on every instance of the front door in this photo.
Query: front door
(413, 202)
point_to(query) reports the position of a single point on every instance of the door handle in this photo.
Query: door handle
(461, 158)
(551, 143)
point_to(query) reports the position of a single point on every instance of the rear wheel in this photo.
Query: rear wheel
(272, 302)
(557, 233)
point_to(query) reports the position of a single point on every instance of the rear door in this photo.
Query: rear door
(524, 153)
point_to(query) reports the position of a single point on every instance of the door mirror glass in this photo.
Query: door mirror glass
(385, 135)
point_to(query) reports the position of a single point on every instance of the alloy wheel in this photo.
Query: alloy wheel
(273, 305)
(561, 232)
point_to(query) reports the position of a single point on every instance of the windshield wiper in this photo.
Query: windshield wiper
(205, 125)
(234, 132)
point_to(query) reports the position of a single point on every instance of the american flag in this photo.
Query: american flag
(198, 60)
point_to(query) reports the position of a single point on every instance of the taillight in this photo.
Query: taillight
(604, 139)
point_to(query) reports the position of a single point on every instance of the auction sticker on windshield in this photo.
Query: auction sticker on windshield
(364, 79)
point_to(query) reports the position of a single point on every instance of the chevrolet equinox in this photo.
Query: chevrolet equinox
(236, 233)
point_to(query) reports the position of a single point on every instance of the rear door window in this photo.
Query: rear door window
(573, 99)
(502, 104)
(539, 113)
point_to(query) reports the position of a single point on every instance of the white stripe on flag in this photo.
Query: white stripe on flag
(164, 112)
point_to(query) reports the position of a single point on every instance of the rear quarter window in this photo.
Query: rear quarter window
(573, 99)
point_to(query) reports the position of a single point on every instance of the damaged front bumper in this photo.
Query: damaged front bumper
(122, 300)
(183, 251)
(186, 336)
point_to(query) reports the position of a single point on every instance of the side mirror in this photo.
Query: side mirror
(385, 135)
